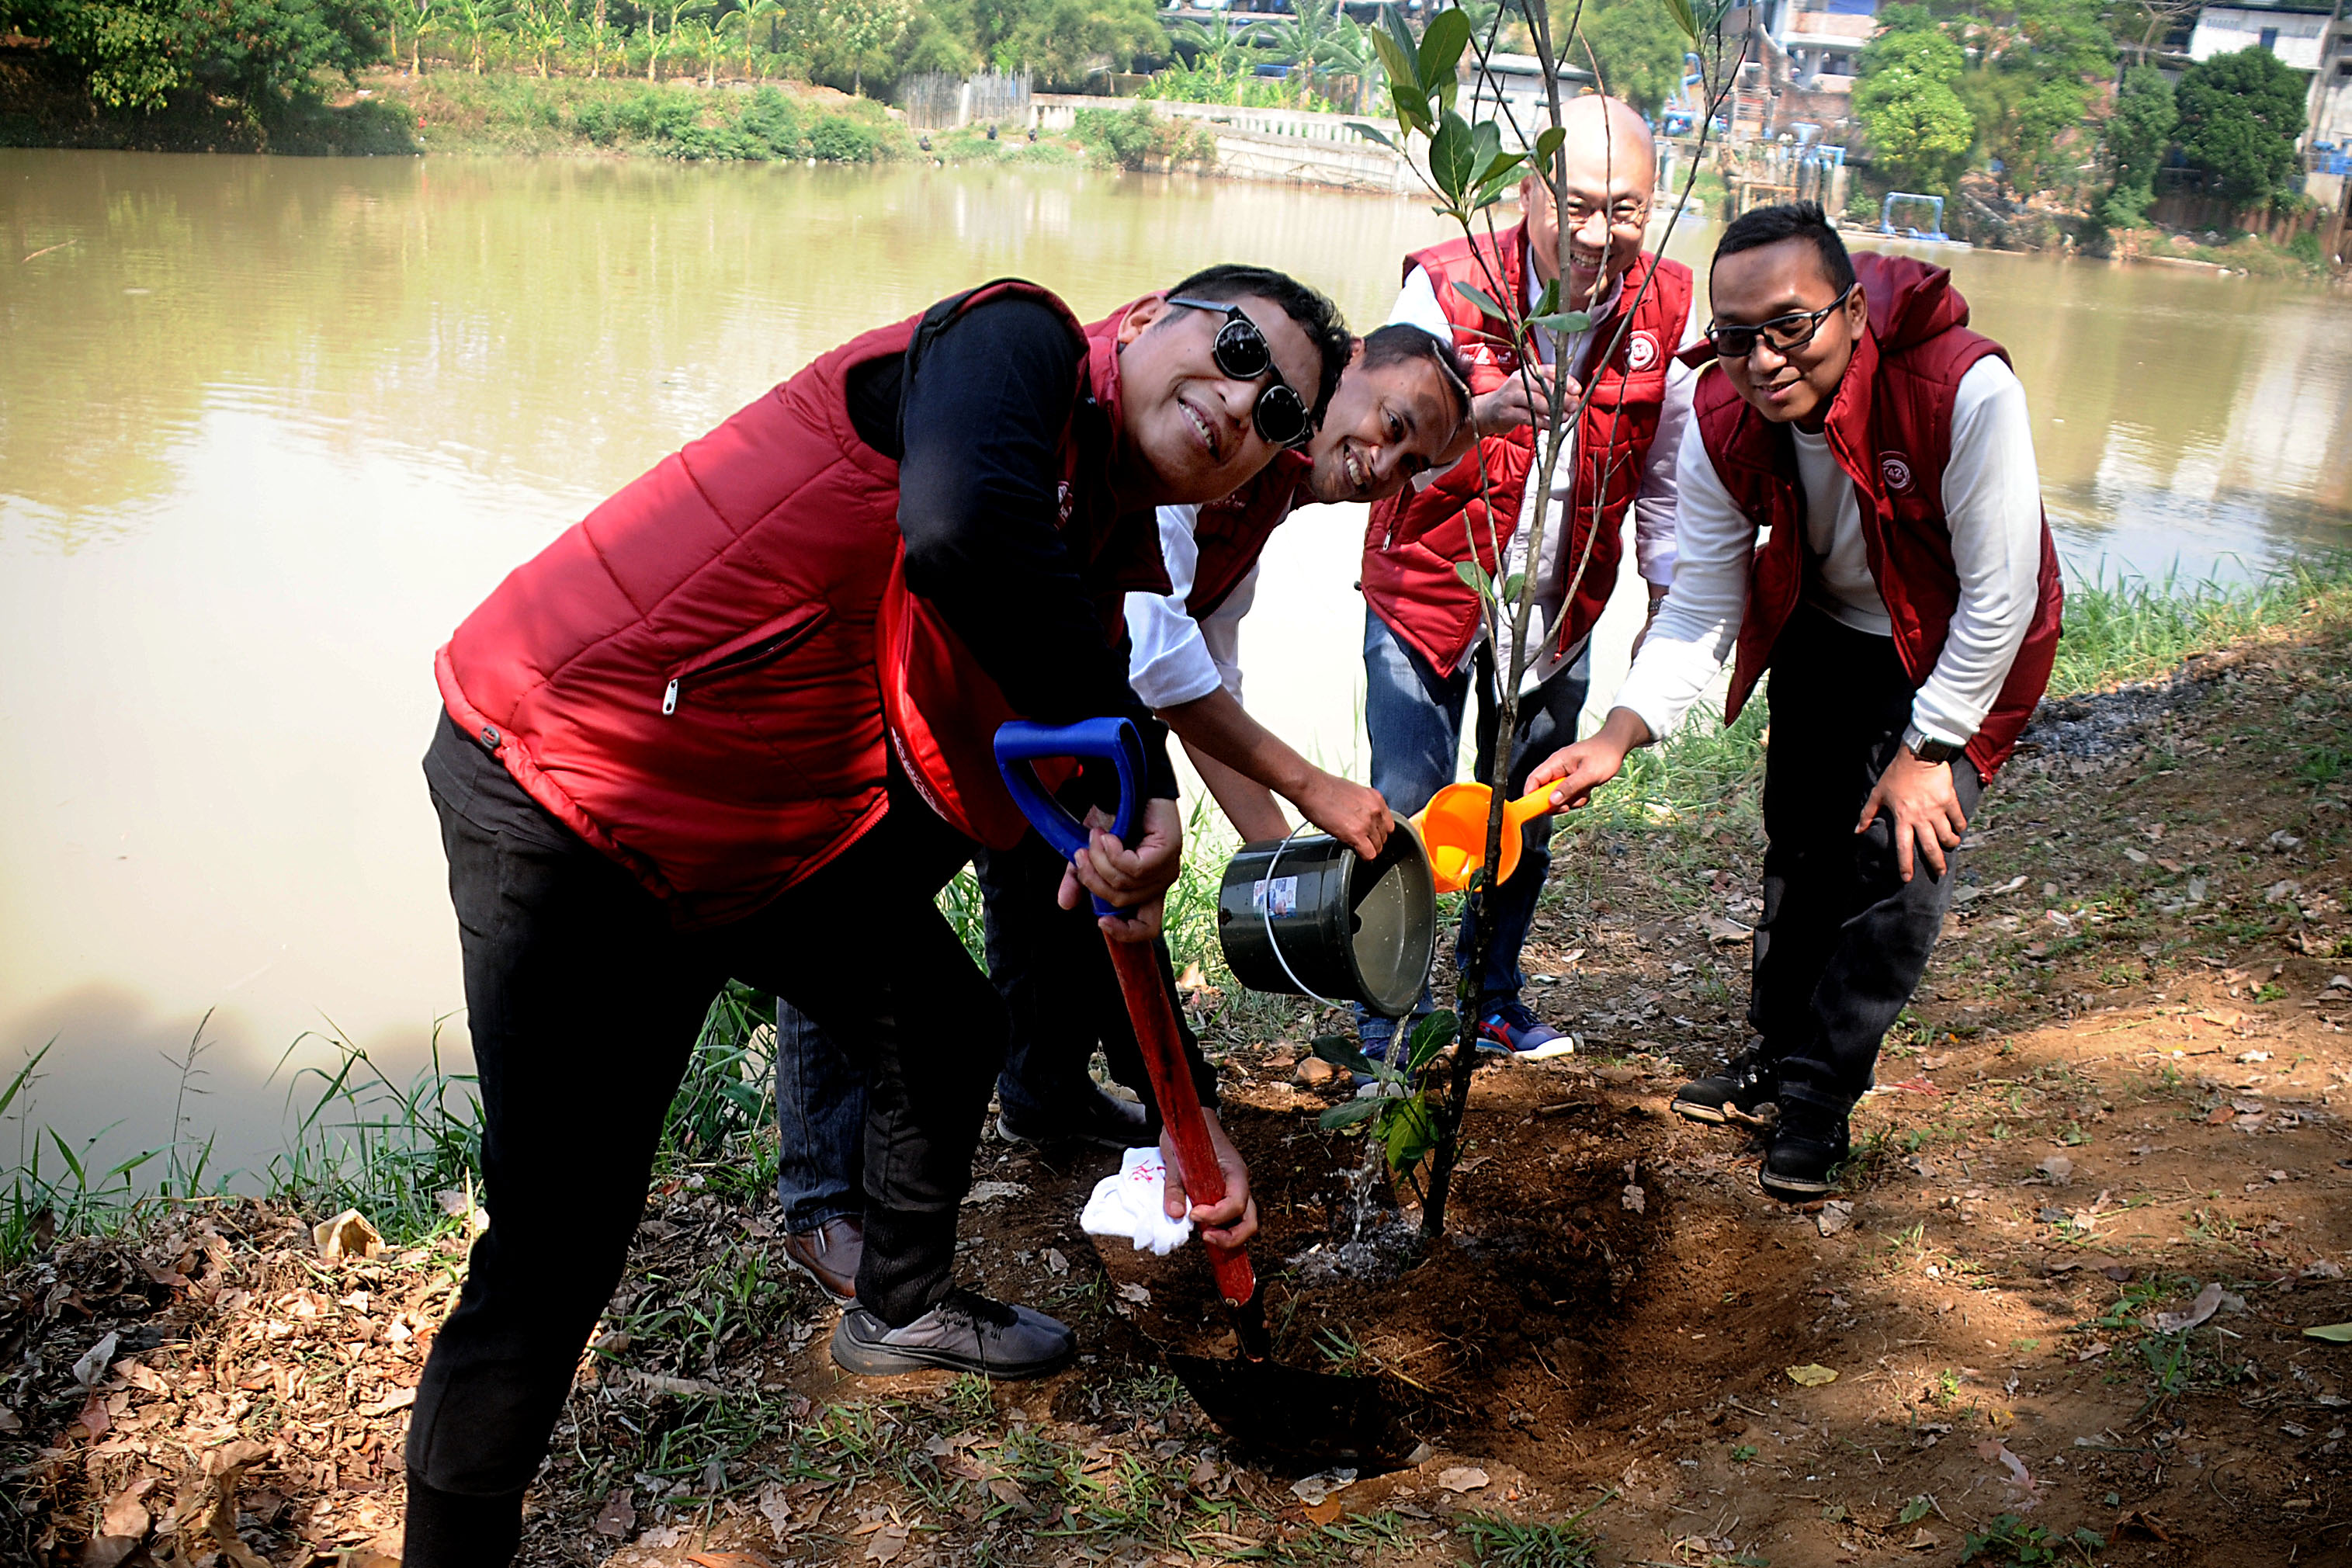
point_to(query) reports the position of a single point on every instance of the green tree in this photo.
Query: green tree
(2134, 141)
(1636, 46)
(2037, 68)
(132, 55)
(2240, 116)
(1064, 40)
(1919, 130)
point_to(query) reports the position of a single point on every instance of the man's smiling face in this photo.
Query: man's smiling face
(1385, 425)
(1187, 421)
(1749, 288)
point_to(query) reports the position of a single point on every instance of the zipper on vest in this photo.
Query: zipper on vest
(781, 640)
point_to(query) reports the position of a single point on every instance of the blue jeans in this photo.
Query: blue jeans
(1415, 715)
(821, 1121)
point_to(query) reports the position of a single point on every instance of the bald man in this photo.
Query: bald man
(1425, 648)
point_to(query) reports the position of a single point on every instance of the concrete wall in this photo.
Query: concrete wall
(2224, 30)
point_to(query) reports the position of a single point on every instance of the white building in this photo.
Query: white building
(1823, 40)
(2295, 32)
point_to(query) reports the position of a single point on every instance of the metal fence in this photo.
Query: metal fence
(942, 101)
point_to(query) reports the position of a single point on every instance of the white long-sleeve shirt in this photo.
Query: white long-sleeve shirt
(1174, 659)
(1655, 504)
(1992, 505)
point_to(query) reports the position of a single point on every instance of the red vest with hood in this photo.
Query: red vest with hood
(700, 676)
(1890, 428)
(1415, 538)
(1232, 531)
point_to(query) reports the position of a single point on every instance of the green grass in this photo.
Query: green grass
(2129, 629)
(456, 111)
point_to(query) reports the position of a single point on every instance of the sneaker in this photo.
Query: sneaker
(830, 1254)
(1807, 1146)
(1510, 1027)
(965, 1332)
(1099, 1118)
(1745, 1089)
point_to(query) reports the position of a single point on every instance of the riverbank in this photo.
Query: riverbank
(2116, 1088)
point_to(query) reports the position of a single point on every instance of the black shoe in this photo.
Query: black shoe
(1809, 1143)
(1098, 1118)
(1744, 1089)
(965, 1332)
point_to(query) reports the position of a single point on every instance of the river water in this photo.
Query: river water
(269, 428)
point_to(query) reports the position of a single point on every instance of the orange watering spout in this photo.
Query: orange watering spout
(1453, 828)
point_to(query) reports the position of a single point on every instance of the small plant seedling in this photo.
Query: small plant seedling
(1743, 1453)
(1917, 1508)
(2029, 1545)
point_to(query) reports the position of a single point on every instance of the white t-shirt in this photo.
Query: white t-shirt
(1992, 504)
(1174, 659)
(1653, 504)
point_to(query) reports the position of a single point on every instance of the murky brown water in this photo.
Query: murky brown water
(269, 428)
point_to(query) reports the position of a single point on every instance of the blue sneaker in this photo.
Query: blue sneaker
(1510, 1027)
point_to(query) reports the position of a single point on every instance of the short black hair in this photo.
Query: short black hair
(1400, 344)
(1317, 316)
(1789, 220)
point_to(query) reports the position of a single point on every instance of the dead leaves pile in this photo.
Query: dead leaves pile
(215, 1394)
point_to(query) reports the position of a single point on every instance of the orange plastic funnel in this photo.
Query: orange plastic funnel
(1453, 828)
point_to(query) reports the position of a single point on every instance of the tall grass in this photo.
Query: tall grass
(2129, 627)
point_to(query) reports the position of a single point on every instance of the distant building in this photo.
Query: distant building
(1823, 40)
(2295, 30)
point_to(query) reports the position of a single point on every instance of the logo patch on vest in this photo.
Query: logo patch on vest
(1642, 351)
(1066, 500)
(1896, 470)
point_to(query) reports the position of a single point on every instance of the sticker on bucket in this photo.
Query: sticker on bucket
(1279, 897)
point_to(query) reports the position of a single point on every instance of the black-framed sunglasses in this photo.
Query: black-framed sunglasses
(1241, 352)
(1783, 335)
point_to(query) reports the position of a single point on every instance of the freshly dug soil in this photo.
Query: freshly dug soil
(2110, 1111)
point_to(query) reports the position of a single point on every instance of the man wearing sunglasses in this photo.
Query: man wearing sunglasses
(1399, 409)
(736, 724)
(1907, 604)
(1426, 645)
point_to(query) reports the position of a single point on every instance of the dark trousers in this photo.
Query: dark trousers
(585, 1002)
(1843, 938)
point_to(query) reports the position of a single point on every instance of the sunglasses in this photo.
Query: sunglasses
(1241, 352)
(1783, 335)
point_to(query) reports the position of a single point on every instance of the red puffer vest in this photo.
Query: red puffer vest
(700, 676)
(1231, 533)
(1415, 538)
(1890, 427)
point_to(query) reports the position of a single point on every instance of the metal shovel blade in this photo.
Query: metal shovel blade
(1311, 1418)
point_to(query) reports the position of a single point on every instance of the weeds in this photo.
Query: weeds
(1508, 1543)
(2029, 1545)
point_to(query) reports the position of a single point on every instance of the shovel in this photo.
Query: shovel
(1315, 1418)
(1453, 828)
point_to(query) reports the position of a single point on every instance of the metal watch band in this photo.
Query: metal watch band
(1926, 750)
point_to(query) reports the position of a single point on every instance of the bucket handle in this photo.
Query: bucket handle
(1265, 913)
(1020, 743)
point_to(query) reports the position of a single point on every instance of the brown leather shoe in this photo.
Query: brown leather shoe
(830, 1254)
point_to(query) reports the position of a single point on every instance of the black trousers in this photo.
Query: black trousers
(1050, 966)
(1843, 939)
(585, 1002)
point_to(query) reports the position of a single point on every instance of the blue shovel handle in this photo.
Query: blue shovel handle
(1020, 743)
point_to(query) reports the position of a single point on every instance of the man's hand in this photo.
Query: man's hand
(1133, 878)
(1525, 398)
(1926, 808)
(1575, 772)
(1231, 1222)
(1355, 816)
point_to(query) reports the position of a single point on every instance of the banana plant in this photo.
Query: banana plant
(1469, 166)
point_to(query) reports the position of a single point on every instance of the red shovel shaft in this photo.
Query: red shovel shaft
(1140, 978)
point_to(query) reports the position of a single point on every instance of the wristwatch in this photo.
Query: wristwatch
(1928, 750)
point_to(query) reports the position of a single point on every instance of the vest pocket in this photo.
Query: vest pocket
(760, 645)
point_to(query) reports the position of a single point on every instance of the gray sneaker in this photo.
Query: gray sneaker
(965, 1332)
(1093, 1116)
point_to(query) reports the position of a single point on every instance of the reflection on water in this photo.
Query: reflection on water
(269, 428)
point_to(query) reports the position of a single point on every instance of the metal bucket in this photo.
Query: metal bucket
(1304, 916)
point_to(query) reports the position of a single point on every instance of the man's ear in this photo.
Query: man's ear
(1857, 310)
(1140, 315)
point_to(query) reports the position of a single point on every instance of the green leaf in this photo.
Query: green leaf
(1562, 322)
(1680, 10)
(1397, 31)
(1917, 1508)
(1409, 1132)
(1478, 296)
(1501, 169)
(1511, 586)
(2334, 1334)
(1403, 74)
(1375, 133)
(1412, 107)
(1342, 1052)
(1452, 156)
(1346, 1113)
(1474, 575)
(1548, 300)
(1431, 1036)
(1442, 43)
(1485, 146)
(1548, 143)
